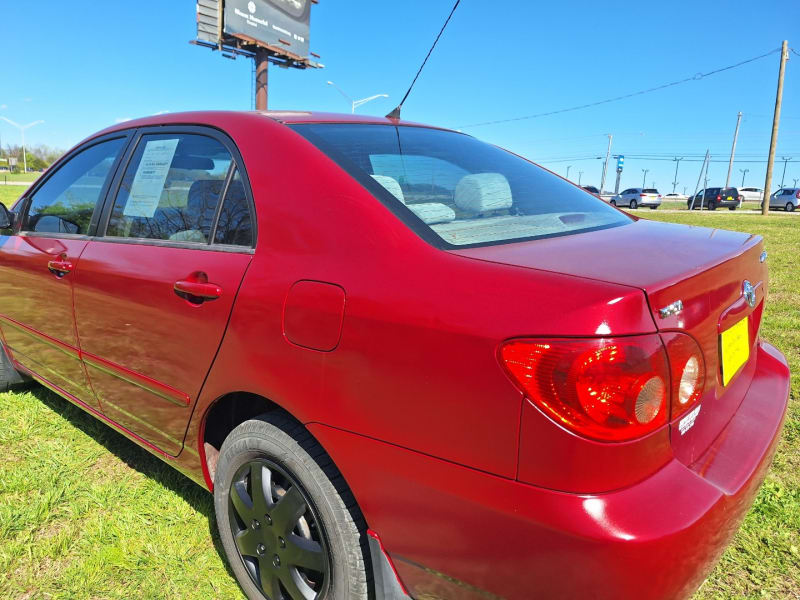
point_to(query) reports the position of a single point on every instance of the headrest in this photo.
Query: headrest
(483, 192)
(433, 212)
(391, 185)
(204, 194)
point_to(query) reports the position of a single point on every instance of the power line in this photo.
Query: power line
(395, 114)
(695, 77)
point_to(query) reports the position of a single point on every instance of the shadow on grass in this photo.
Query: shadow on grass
(135, 457)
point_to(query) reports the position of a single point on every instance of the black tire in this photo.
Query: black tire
(634, 205)
(731, 208)
(689, 205)
(9, 376)
(789, 207)
(328, 532)
(653, 207)
(712, 205)
(613, 202)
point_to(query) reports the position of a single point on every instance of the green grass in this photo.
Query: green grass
(6, 176)
(85, 513)
(10, 193)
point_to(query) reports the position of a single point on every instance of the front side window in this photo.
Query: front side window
(171, 189)
(66, 201)
(461, 190)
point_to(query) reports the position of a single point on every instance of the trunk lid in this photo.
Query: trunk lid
(703, 268)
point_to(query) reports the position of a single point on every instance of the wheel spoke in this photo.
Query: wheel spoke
(305, 553)
(260, 481)
(242, 501)
(295, 586)
(247, 541)
(288, 510)
(270, 584)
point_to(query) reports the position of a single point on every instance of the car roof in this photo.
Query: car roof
(287, 117)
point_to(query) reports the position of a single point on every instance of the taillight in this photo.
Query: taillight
(607, 389)
(688, 372)
(719, 197)
(642, 195)
(797, 195)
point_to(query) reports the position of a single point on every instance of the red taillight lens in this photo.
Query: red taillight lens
(642, 195)
(608, 389)
(719, 197)
(688, 372)
(797, 195)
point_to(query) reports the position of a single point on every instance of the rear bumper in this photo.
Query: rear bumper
(454, 532)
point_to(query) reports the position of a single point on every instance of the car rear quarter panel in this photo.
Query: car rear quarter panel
(417, 364)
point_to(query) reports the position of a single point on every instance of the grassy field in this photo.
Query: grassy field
(9, 193)
(6, 176)
(84, 513)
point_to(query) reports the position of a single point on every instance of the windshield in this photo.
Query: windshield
(454, 190)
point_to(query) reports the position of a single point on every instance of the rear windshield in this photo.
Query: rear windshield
(454, 190)
(650, 191)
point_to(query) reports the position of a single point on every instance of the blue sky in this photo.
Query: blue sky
(83, 65)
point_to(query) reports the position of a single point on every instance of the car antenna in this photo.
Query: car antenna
(395, 114)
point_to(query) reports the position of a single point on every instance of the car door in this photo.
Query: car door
(39, 263)
(154, 293)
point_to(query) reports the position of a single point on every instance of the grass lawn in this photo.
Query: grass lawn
(10, 193)
(85, 513)
(6, 176)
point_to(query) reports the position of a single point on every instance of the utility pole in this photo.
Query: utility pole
(775, 122)
(795, 182)
(644, 177)
(785, 160)
(733, 149)
(605, 164)
(675, 179)
(262, 77)
(567, 175)
(743, 172)
(580, 175)
(697, 187)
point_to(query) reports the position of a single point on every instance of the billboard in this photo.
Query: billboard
(280, 24)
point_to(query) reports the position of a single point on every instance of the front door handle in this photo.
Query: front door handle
(60, 267)
(197, 289)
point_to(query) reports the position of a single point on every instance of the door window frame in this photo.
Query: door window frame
(24, 203)
(237, 164)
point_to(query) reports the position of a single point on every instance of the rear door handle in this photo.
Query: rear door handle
(60, 267)
(196, 289)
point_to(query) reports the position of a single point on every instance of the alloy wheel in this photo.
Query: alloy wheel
(278, 534)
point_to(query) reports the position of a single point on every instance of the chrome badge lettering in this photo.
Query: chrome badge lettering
(687, 422)
(671, 309)
(749, 293)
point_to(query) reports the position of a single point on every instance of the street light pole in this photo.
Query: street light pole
(354, 104)
(568, 168)
(644, 178)
(743, 172)
(675, 179)
(785, 160)
(605, 164)
(580, 174)
(22, 129)
(733, 149)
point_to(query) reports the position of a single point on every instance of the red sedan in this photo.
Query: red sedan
(400, 358)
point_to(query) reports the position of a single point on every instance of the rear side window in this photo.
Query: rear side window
(454, 190)
(171, 189)
(66, 201)
(235, 225)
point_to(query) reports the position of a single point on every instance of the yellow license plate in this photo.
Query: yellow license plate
(735, 349)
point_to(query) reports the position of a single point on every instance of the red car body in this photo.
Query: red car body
(388, 350)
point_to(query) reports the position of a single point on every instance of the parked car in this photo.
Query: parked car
(751, 194)
(592, 190)
(713, 198)
(674, 196)
(785, 198)
(636, 197)
(399, 357)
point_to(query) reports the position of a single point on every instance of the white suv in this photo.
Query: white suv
(636, 197)
(751, 194)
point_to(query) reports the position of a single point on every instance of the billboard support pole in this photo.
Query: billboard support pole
(262, 77)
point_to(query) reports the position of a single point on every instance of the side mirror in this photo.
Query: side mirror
(6, 217)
